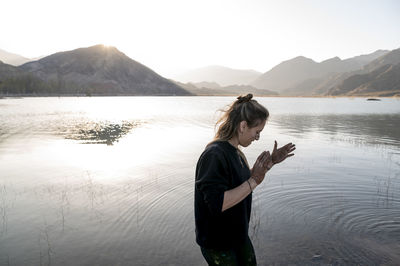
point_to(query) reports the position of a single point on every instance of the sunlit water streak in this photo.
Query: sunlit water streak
(109, 181)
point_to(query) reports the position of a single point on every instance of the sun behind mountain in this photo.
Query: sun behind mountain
(100, 70)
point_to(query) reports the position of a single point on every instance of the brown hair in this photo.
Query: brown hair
(243, 109)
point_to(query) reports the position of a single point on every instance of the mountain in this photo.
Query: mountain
(16, 81)
(383, 81)
(7, 70)
(99, 70)
(360, 61)
(303, 76)
(392, 58)
(381, 77)
(222, 75)
(287, 74)
(12, 59)
(318, 86)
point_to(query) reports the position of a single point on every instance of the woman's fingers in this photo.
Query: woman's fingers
(260, 157)
(283, 152)
(267, 156)
(264, 157)
(268, 162)
(263, 161)
(288, 148)
(260, 161)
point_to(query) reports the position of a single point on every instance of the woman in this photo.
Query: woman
(224, 184)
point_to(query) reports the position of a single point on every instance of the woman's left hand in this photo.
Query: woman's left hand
(279, 155)
(261, 166)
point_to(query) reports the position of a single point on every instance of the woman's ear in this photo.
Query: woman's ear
(242, 126)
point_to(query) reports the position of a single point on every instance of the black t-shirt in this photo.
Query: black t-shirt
(220, 168)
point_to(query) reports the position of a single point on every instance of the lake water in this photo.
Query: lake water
(109, 181)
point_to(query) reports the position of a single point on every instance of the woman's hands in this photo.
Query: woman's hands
(265, 160)
(263, 163)
(279, 155)
(261, 166)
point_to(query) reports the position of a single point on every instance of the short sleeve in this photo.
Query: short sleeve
(212, 180)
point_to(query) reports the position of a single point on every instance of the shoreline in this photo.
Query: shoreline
(17, 96)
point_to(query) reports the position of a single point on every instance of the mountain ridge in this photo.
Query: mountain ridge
(290, 74)
(103, 70)
(99, 70)
(382, 81)
(207, 89)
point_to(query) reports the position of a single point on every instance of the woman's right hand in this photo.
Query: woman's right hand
(261, 166)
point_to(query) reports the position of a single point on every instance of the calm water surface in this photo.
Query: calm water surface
(109, 181)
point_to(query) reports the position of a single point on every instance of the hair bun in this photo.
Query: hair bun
(243, 99)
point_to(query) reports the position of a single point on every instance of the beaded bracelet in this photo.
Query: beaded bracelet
(248, 182)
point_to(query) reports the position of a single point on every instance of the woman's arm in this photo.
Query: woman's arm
(237, 194)
(264, 162)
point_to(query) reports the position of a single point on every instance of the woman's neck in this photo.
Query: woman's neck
(234, 142)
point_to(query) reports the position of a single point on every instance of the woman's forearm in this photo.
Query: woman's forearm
(237, 194)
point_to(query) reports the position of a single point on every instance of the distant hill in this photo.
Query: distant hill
(318, 86)
(99, 70)
(287, 74)
(222, 75)
(383, 81)
(392, 58)
(381, 77)
(301, 75)
(360, 61)
(12, 59)
(205, 84)
(205, 89)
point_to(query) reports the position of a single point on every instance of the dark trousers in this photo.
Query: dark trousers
(239, 256)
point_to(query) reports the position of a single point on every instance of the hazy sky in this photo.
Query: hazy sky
(170, 36)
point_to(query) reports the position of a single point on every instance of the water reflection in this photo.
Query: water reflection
(99, 132)
(372, 129)
(335, 203)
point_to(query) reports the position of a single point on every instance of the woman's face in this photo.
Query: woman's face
(248, 134)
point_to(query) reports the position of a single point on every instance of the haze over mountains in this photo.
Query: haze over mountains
(289, 73)
(303, 76)
(224, 76)
(12, 59)
(101, 70)
(376, 78)
(213, 88)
